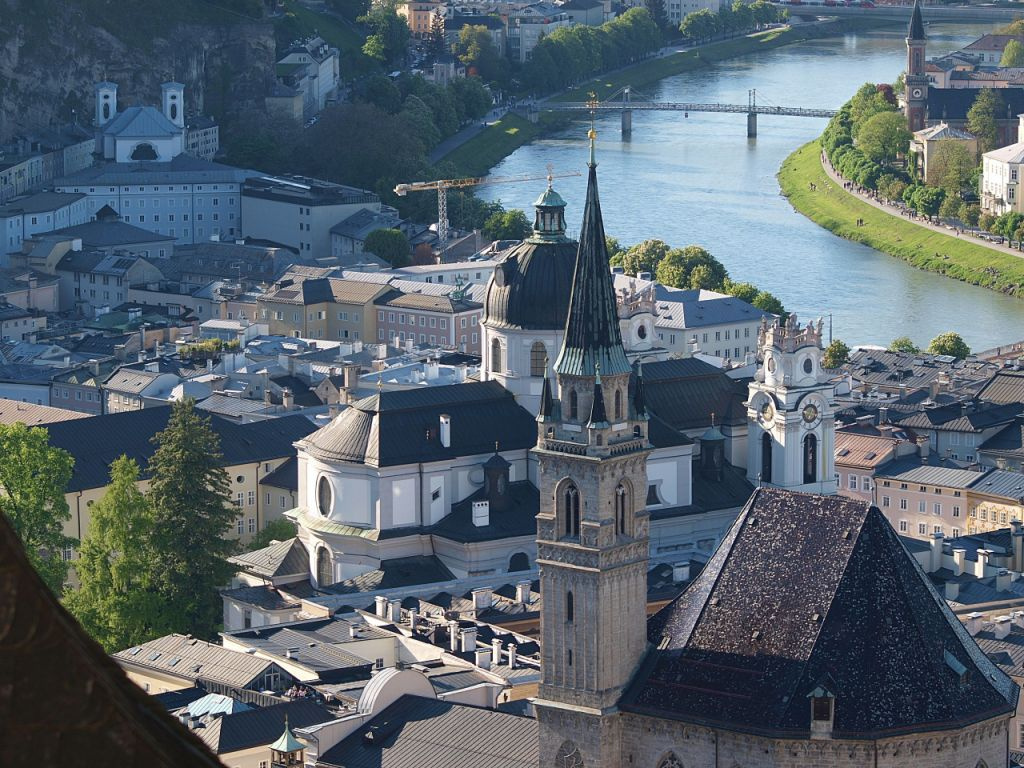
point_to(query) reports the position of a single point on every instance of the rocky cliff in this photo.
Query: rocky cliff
(52, 52)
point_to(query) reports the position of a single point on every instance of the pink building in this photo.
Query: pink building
(447, 321)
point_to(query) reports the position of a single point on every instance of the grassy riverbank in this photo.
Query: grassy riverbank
(492, 145)
(836, 210)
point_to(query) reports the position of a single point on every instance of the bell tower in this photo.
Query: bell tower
(916, 80)
(791, 411)
(592, 528)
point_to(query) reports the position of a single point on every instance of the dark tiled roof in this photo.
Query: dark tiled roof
(1009, 440)
(1004, 387)
(954, 103)
(286, 476)
(684, 393)
(809, 591)
(392, 428)
(593, 341)
(963, 417)
(519, 519)
(416, 732)
(62, 697)
(398, 572)
(267, 598)
(281, 559)
(107, 234)
(97, 441)
(533, 290)
(260, 727)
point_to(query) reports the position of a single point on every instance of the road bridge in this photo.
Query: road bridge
(899, 13)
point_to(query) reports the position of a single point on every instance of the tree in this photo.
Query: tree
(476, 49)
(1013, 54)
(657, 10)
(615, 250)
(436, 47)
(903, 344)
(192, 510)
(865, 104)
(114, 602)
(507, 225)
(33, 478)
(677, 268)
(950, 208)
(836, 354)
(769, 302)
(391, 245)
(388, 33)
(743, 291)
(276, 530)
(986, 221)
(928, 200)
(884, 136)
(951, 166)
(644, 257)
(969, 214)
(983, 117)
(949, 343)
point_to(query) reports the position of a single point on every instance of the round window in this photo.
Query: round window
(323, 496)
(808, 365)
(240, 479)
(771, 365)
(642, 331)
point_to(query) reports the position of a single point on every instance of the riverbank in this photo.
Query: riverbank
(809, 189)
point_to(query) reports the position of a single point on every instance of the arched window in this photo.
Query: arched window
(569, 607)
(520, 561)
(496, 356)
(106, 111)
(620, 509)
(766, 458)
(574, 404)
(324, 570)
(324, 496)
(174, 111)
(670, 761)
(144, 151)
(568, 756)
(568, 656)
(571, 509)
(538, 359)
(810, 459)
(618, 405)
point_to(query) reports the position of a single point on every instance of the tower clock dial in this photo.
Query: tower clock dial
(810, 415)
(767, 412)
(916, 93)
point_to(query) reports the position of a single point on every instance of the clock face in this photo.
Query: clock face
(916, 93)
(810, 414)
(767, 412)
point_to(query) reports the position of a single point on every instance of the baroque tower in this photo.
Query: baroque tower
(592, 528)
(791, 411)
(915, 94)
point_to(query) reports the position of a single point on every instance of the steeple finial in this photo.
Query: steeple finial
(592, 133)
(597, 371)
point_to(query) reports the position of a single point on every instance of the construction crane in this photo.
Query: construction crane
(441, 186)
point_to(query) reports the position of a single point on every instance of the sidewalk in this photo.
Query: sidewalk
(901, 212)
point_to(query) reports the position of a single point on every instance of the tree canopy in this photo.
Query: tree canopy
(983, 116)
(476, 49)
(391, 245)
(952, 166)
(949, 343)
(1013, 54)
(884, 136)
(836, 353)
(389, 33)
(507, 225)
(903, 344)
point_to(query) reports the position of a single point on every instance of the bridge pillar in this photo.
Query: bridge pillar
(627, 122)
(751, 125)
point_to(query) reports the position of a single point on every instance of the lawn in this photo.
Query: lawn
(489, 147)
(334, 30)
(836, 210)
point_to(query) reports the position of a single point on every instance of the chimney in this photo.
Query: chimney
(410, 345)
(395, 611)
(496, 652)
(432, 369)
(511, 655)
(1003, 580)
(974, 623)
(291, 653)
(981, 564)
(923, 446)
(209, 366)
(142, 355)
(469, 640)
(266, 398)
(883, 415)
(1002, 627)
(381, 606)
(1018, 619)
(681, 572)
(523, 589)
(353, 630)
(481, 513)
(350, 374)
(332, 372)
(959, 558)
(483, 658)
(483, 597)
(935, 555)
(287, 399)
(446, 430)
(453, 636)
(952, 590)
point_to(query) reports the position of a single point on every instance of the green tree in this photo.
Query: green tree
(678, 265)
(391, 245)
(114, 602)
(950, 208)
(949, 343)
(436, 47)
(192, 510)
(657, 10)
(743, 291)
(951, 167)
(389, 33)
(884, 136)
(986, 221)
(615, 250)
(983, 117)
(507, 225)
(276, 530)
(476, 49)
(1013, 54)
(928, 200)
(474, 100)
(836, 354)
(903, 344)
(33, 479)
(865, 104)
(769, 302)
(969, 214)
(644, 257)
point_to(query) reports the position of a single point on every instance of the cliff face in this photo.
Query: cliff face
(52, 52)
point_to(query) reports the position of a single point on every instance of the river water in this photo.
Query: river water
(700, 180)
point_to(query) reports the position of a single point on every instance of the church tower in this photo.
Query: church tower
(791, 411)
(592, 528)
(916, 91)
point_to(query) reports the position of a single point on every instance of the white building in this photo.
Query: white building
(311, 67)
(37, 214)
(1000, 179)
(140, 133)
(528, 26)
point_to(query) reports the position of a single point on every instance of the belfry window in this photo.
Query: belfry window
(571, 510)
(569, 607)
(766, 458)
(810, 459)
(538, 358)
(495, 356)
(618, 405)
(620, 509)
(574, 404)
(324, 570)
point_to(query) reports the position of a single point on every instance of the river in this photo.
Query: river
(700, 180)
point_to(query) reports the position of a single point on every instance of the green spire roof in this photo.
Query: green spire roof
(549, 199)
(287, 742)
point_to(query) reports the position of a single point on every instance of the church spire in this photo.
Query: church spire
(592, 337)
(916, 30)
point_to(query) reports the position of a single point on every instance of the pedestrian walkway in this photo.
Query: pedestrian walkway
(903, 213)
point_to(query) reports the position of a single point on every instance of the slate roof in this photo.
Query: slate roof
(963, 417)
(97, 441)
(286, 476)
(684, 393)
(110, 234)
(415, 732)
(392, 428)
(63, 699)
(14, 411)
(41, 202)
(395, 573)
(953, 103)
(1001, 482)
(140, 122)
(281, 559)
(265, 597)
(260, 727)
(196, 660)
(1005, 387)
(804, 591)
(912, 471)
(916, 29)
(183, 169)
(520, 519)
(1008, 441)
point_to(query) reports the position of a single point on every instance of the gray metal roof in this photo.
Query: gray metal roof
(41, 202)
(188, 657)
(183, 169)
(281, 559)
(1001, 482)
(912, 471)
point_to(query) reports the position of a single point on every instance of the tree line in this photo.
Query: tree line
(731, 20)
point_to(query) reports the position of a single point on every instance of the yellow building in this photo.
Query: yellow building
(321, 308)
(418, 16)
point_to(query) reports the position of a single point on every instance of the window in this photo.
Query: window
(853, 482)
(811, 459)
(284, 502)
(937, 529)
(240, 498)
(574, 404)
(620, 509)
(766, 457)
(885, 501)
(252, 498)
(324, 569)
(240, 526)
(903, 503)
(922, 506)
(252, 525)
(937, 509)
(538, 359)
(323, 496)
(569, 607)
(922, 528)
(903, 526)
(378, 663)
(571, 510)
(956, 510)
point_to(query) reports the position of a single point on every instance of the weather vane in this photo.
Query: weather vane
(592, 104)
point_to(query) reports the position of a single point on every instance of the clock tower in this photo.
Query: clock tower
(791, 411)
(916, 92)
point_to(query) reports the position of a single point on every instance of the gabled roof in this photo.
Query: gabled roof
(415, 732)
(141, 123)
(188, 657)
(395, 573)
(286, 476)
(62, 697)
(943, 131)
(281, 559)
(260, 727)
(13, 411)
(684, 393)
(1007, 441)
(1012, 153)
(1001, 482)
(109, 234)
(1005, 387)
(807, 591)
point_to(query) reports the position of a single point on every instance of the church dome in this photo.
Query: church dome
(530, 288)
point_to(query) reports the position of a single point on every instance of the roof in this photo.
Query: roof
(916, 29)
(415, 732)
(56, 680)
(306, 191)
(425, 302)
(236, 731)
(770, 619)
(286, 476)
(943, 131)
(593, 342)
(395, 573)
(281, 559)
(1001, 482)
(911, 470)
(295, 289)
(531, 286)
(14, 411)
(41, 202)
(963, 417)
(953, 103)
(392, 428)
(990, 42)
(685, 392)
(1009, 441)
(859, 450)
(97, 441)
(183, 169)
(140, 122)
(1006, 386)
(518, 519)
(193, 659)
(1012, 153)
(110, 234)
